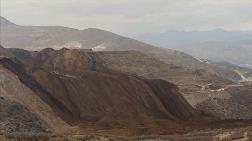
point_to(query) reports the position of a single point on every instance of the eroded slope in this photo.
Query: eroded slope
(84, 92)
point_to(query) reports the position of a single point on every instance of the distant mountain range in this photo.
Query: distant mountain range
(218, 45)
(40, 37)
(57, 37)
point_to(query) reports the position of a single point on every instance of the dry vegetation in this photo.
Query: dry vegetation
(206, 135)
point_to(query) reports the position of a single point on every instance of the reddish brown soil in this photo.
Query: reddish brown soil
(83, 92)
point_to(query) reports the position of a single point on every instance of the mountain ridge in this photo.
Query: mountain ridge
(216, 45)
(5, 22)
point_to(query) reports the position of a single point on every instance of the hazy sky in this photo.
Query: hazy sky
(130, 17)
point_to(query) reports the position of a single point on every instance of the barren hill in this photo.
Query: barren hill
(86, 93)
(40, 37)
(193, 83)
(204, 90)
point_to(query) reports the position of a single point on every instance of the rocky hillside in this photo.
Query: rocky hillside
(14, 117)
(197, 86)
(202, 89)
(68, 92)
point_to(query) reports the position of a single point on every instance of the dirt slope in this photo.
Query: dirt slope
(86, 93)
(206, 91)
(12, 89)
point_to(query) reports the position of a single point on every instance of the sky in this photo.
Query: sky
(132, 17)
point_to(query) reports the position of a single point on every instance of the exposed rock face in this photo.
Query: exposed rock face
(12, 89)
(84, 92)
(14, 117)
